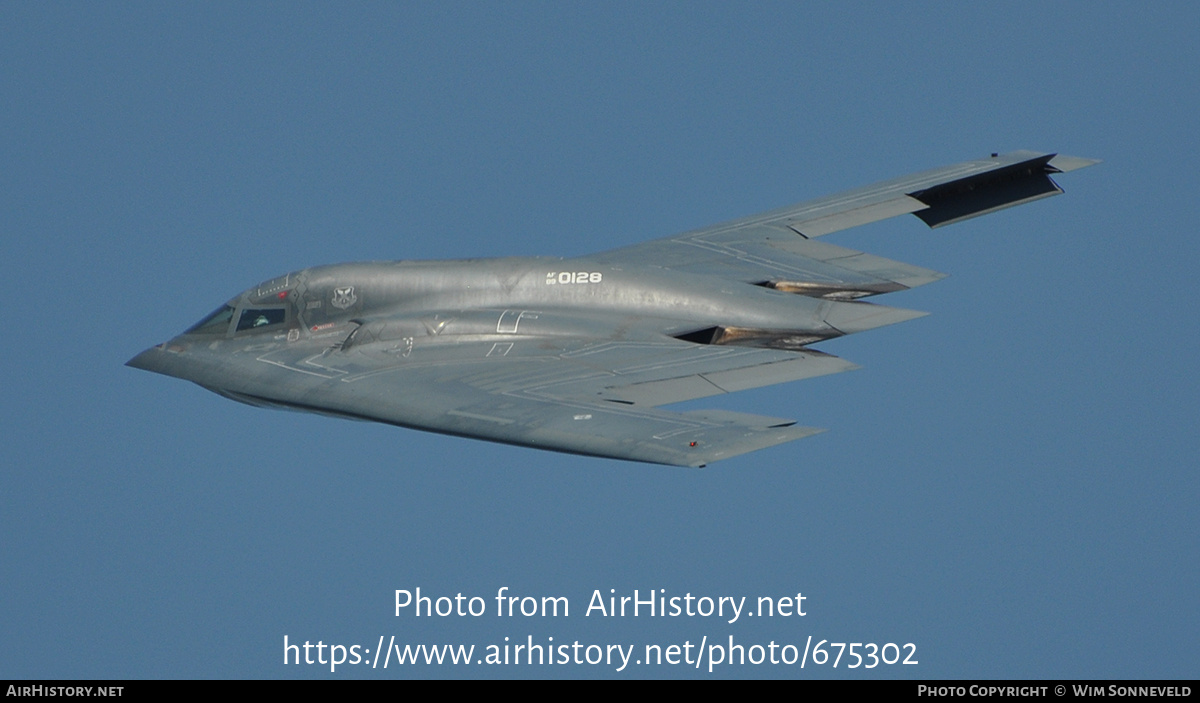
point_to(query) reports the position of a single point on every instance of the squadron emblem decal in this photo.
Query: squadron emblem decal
(343, 297)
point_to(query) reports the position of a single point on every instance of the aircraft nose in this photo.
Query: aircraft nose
(145, 360)
(153, 359)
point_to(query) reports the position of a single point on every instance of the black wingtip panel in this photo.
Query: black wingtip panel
(987, 192)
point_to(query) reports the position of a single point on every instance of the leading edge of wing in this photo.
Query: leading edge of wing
(615, 431)
(938, 196)
(692, 439)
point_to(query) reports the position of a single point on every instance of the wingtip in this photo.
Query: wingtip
(1065, 163)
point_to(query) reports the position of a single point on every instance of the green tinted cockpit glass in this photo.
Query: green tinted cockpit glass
(216, 323)
(253, 318)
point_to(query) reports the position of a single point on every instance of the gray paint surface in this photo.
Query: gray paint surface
(576, 355)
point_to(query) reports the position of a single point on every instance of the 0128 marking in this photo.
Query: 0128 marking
(568, 277)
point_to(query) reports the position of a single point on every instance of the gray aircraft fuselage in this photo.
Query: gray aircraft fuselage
(576, 355)
(439, 305)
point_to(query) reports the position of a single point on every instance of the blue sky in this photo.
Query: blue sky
(1009, 483)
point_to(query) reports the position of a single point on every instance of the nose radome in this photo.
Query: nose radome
(163, 359)
(146, 360)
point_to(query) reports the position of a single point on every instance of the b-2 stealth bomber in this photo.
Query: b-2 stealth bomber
(577, 355)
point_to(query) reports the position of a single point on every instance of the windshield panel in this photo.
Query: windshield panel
(253, 318)
(216, 323)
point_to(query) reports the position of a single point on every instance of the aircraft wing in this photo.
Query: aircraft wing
(583, 396)
(778, 245)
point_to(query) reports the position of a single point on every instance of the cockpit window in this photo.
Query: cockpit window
(216, 323)
(253, 318)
